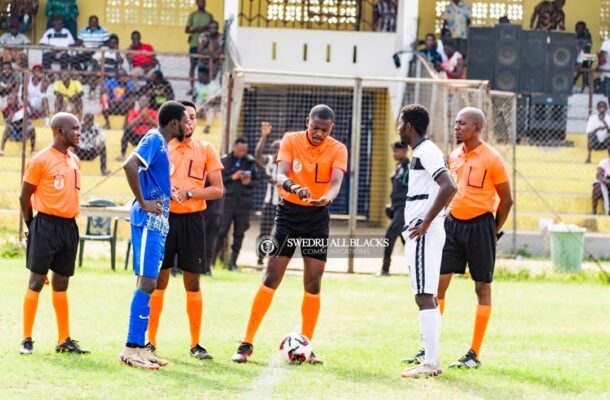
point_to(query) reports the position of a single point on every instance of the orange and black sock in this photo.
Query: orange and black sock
(194, 310)
(260, 305)
(156, 306)
(30, 305)
(60, 304)
(310, 309)
(480, 325)
(441, 305)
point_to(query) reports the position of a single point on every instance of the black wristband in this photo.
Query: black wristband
(287, 184)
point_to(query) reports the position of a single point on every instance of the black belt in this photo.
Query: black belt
(417, 197)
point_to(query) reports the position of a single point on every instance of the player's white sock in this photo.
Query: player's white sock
(430, 327)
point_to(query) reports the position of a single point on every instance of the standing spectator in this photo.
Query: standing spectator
(197, 23)
(396, 211)
(24, 11)
(159, 90)
(384, 16)
(38, 103)
(440, 44)
(10, 80)
(139, 121)
(457, 18)
(67, 9)
(207, 97)
(92, 37)
(272, 196)
(431, 53)
(549, 16)
(92, 143)
(58, 36)
(13, 38)
(141, 64)
(454, 67)
(68, 93)
(583, 46)
(601, 186)
(118, 96)
(239, 177)
(13, 123)
(598, 130)
(211, 44)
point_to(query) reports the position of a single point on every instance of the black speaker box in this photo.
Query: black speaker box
(507, 53)
(561, 55)
(533, 61)
(481, 53)
(548, 119)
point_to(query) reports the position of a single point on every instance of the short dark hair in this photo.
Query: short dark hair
(170, 111)
(599, 103)
(113, 36)
(418, 116)
(432, 35)
(323, 112)
(134, 32)
(241, 140)
(188, 103)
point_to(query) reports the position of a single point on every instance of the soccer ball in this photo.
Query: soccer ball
(295, 348)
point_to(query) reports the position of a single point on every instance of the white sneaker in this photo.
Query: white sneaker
(133, 357)
(421, 371)
(148, 355)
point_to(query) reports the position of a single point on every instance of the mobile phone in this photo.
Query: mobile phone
(499, 235)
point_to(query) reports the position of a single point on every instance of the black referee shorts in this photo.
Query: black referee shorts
(294, 221)
(52, 244)
(471, 242)
(185, 243)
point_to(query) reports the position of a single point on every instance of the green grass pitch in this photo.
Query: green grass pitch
(544, 341)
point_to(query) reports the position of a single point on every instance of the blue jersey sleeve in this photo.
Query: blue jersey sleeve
(147, 150)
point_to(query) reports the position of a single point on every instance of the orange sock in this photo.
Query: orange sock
(30, 305)
(156, 306)
(480, 325)
(260, 305)
(441, 305)
(310, 309)
(60, 304)
(194, 310)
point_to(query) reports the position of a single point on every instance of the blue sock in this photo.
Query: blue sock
(138, 318)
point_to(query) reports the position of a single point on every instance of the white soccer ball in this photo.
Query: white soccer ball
(295, 348)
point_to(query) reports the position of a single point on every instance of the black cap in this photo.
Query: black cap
(399, 145)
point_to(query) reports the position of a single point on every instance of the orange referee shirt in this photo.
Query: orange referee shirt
(190, 162)
(311, 165)
(476, 173)
(57, 180)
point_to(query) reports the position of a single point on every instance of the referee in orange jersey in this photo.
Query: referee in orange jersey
(51, 186)
(311, 165)
(472, 229)
(192, 162)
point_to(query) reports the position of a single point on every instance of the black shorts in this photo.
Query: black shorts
(194, 60)
(293, 221)
(185, 243)
(471, 242)
(52, 244)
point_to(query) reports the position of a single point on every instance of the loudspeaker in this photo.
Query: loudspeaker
(481, 53)
(506, 57)
(561, 58)
(533, 61)
(548, 119)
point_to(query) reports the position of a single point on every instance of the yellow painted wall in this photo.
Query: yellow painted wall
(575, 10)
(163, 38)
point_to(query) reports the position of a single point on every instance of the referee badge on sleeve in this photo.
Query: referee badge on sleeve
(297, 165)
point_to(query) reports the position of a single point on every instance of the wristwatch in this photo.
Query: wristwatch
(189, 195)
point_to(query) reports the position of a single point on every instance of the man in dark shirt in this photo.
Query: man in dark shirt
(238, 177)
(396, 212)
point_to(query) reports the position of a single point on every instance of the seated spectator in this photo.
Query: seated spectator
(211, 45)
(24, 12)
(38, 103)
(384, 16)
(598, 130)
(92, 37)
(601, 186)
(159, 90)
(117, 97)
(113, 60)
(454, 67)
(13, 123)
(92, 143)
(67, 9)
(13, 38)
(68, 94)
(10, 80)
(207, 96)
(583, 46)
(139, 120)
(430, 52)
(58, 36)
(141, 64)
